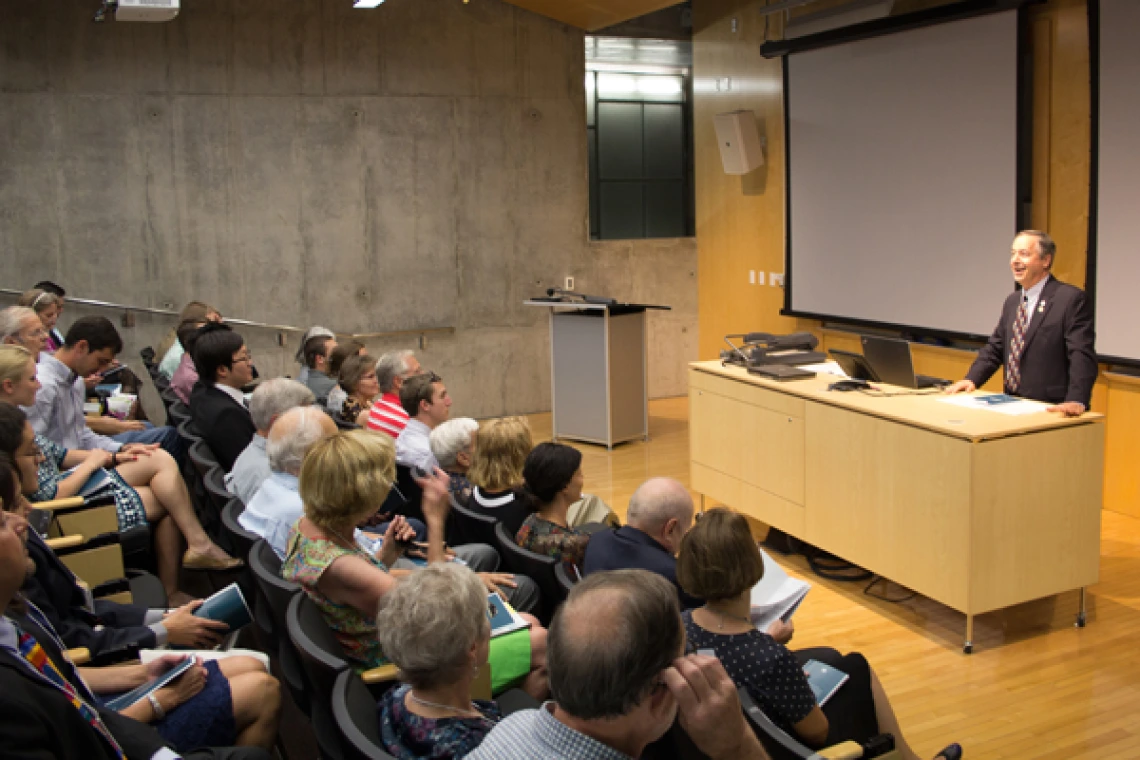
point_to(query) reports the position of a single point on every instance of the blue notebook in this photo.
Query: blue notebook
(228, 606)
(503, 618)
(97, 483)
(824, 680)
(124, 701)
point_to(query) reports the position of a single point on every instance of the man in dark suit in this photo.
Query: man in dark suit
(1044, 339)
(217, 404)
(660, 514)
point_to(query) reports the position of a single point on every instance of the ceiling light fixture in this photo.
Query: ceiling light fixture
(366, 3)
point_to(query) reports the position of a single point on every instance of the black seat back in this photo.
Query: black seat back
(466, 526)
(322, 660)
(538, 567)
(202, 457)
(354, 711)
(215, 482)
(274, 594)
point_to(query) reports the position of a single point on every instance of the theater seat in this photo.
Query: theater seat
(537, 567)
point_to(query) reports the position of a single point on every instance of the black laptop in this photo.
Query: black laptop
(891, 361)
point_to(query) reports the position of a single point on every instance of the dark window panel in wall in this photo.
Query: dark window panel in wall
(592, 159)
(622, 210)
(664, 131)
(665, 209)
(620, 141)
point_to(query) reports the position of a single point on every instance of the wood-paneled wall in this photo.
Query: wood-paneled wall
(740, 220)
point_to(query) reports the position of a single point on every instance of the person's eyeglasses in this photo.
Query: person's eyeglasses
(247, 358)
(39, 332)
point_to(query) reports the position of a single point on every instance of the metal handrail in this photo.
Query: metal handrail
(245, 322)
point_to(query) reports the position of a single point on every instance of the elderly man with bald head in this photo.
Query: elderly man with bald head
(660, 514)
(277, 504)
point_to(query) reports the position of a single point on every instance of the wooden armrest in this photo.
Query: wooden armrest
(841, 751)
(381, 674)
(69, 503)
(80, 656)
(64, 542)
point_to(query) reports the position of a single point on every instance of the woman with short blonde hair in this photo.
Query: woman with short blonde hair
(496, 471)
(344, 479)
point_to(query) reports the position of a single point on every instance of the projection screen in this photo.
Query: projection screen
(1118, 186)
(902, 176)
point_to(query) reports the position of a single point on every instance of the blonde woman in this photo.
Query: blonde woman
(343, 479)
(496, 471)
(147, 488)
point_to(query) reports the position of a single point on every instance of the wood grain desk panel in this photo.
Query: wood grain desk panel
(972, 508)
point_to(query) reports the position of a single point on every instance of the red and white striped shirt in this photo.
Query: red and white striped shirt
(387, 415)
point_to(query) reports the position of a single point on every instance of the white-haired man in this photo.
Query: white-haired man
(392, 369)
(277, 504)
(271, 400)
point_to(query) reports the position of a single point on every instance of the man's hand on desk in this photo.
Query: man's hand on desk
(1068, 409)
(962, 386)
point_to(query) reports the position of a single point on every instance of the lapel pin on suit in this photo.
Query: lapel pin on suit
(1041, 307)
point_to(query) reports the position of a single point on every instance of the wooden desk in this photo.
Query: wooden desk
(975, 509)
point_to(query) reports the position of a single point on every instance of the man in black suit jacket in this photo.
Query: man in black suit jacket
(1056, 362)
(217, 404)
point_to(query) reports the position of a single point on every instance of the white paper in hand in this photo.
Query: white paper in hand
(776, 596)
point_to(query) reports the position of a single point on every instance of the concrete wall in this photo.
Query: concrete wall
(297, 162)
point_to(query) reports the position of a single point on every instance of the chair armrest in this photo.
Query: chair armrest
(64, 542)
(69, 503)
(841, 751)
(79, 656)
(381, 674)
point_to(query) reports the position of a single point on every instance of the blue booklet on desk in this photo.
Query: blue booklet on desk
(124, 701)
(824, 680)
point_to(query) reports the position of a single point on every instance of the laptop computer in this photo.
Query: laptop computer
(891, 360)
(854, 365)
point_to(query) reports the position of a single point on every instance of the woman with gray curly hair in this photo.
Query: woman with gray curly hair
(434, 627)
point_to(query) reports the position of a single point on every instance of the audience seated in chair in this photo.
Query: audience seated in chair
(337, 358)
(19, 326)
(171, 349)
(270, 400)
(392, 369)
(317, 346)
(343, 477)
(185, 376)
(277, 503)
(90, 347)
(50, 708)
(48, 307)
(434, 627)
(660, 514)
(553, 481)
(146, 484)
(358, 381)
(618, 680)
(217, 404)
(720, 562)
(425, 399)
(453, 446)
(54, 334)
(496, 471)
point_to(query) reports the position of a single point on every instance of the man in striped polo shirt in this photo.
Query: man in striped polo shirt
(392, 369)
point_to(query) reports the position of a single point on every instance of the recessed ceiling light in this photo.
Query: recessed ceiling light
(366, 3)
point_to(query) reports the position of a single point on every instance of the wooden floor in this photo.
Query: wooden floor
(1035, 687)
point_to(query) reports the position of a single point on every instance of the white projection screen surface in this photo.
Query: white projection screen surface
(1118, 183)
(902, 171)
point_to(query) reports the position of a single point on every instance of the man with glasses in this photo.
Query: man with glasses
(89, 347)
(217, 403)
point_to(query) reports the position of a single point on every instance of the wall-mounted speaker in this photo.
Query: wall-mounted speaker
(739, 141)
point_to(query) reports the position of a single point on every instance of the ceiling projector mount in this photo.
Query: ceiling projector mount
(137, 10)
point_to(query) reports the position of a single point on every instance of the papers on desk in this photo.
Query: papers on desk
(825, 368)
(1014, 407)
(777, 596)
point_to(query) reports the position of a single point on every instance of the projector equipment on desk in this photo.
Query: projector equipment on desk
(764, 348)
